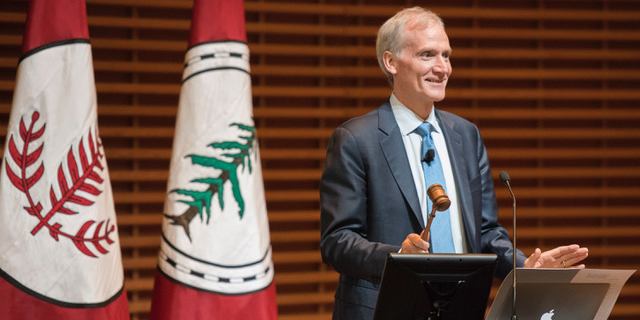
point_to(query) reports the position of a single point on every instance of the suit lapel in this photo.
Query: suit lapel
(457, 157)
(396, 156)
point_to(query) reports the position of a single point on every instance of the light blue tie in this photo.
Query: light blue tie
(441, 238)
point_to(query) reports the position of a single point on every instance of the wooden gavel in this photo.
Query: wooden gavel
(440, 202)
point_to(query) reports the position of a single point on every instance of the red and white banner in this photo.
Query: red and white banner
(215, 256)
(59, 247)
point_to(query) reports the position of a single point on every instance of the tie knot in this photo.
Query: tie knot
(425, 129)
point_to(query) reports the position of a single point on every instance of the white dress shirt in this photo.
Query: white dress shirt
(408, 122)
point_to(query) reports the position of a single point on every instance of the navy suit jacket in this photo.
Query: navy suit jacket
(370, 204)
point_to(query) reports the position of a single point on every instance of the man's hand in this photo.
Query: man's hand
(560, 257)
(415, 244)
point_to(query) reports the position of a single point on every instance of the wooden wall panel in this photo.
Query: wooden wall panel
(552, 84)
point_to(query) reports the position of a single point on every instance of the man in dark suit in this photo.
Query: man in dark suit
(373, 191)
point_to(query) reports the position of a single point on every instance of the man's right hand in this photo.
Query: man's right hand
(415, 244)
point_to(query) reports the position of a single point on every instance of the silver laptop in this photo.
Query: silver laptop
(555, 301)
(554, 294)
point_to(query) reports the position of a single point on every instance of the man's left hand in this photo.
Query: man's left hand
(560, 257)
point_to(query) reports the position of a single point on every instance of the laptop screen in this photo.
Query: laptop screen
(555, 301)
(559, 294)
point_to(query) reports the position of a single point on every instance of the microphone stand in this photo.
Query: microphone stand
(504, 176)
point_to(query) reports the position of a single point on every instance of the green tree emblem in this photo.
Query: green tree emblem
(235, 154)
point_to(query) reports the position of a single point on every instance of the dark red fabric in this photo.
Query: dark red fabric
(54, 20)
(18, 305)
(217, 20)
(173, 301)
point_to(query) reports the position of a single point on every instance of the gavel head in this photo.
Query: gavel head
(439, 198)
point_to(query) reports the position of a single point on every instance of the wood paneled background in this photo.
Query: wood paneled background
(554, 87)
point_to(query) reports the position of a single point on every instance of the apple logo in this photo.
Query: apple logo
(548, 315)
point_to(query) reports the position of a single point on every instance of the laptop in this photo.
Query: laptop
(555, 301)
(555, 294)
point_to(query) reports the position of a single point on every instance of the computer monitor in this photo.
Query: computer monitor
(435, 286)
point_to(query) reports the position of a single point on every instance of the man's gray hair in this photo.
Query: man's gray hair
(391, 33)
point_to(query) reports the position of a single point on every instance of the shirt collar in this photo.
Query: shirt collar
(409, 121)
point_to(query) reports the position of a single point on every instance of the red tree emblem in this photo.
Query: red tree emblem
(69, 184)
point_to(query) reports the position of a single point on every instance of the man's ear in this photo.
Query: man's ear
(389, 60)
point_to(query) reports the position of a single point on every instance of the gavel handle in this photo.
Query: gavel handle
(425, 233)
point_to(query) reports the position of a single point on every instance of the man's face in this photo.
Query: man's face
(422, 70)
